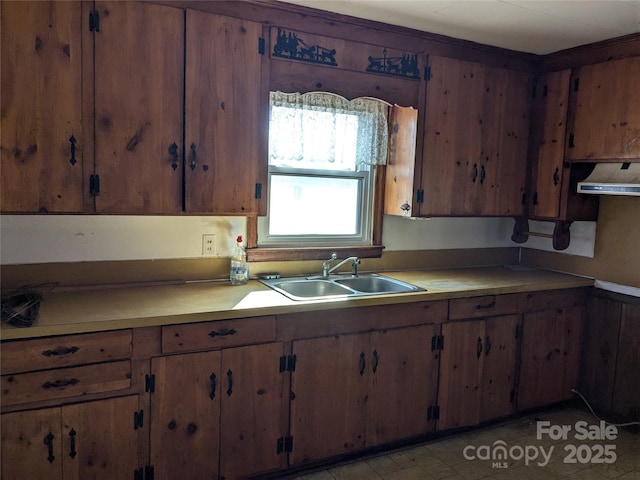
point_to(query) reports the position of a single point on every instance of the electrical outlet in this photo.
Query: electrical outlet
(209, 245)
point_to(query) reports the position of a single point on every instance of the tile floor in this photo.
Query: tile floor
(444, 458)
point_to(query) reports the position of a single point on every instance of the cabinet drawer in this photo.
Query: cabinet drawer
(65, 382)
(219, 334)
(544, 300)
(65, 351)
(485, 306)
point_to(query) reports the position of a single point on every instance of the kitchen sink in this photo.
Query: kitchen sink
(336, 286)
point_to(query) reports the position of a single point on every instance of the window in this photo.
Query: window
(322, 155)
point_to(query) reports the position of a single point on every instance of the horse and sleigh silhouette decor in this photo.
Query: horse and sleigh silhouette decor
(289, 45)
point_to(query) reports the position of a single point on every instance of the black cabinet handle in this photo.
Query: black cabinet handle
(556, 177)
(479, 347)
(222, 332)
(376, 360)
(60, 351)
(48, 441)
(487, 345)
(193, 158)
(173, 151)
(213, 379)
(486, 306)
(474, 175)
(60, 383)
(362, 364)
(230, 378)
(72, 438)
(483, 174)
(72, 141)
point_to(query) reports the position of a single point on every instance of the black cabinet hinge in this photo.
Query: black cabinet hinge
(94, 185)
(150, 383)
(288, 363)
(512, 396)
(284, 445)
(427, 73)
(420, 196)
(518, 331)
(138, 474)
(149, 473)
(572, 139)
(576, 84)
(535, 198)
(524, 198)
(437, 342)
(433, 412)
(258, 190)
(138, 419)
(261, 47)
(94, 21)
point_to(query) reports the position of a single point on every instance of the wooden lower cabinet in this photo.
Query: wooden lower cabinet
(217, 414)
(94, 440)
(551, 350)
(352, 392)
(477, 371)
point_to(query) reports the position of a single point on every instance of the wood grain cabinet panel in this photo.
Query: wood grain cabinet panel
(139, 106)
(604, 121)
(210, 409)
(87, 440)
(42, 139)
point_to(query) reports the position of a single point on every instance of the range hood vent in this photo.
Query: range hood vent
(613, 179)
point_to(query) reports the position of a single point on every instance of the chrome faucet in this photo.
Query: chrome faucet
(327, 268)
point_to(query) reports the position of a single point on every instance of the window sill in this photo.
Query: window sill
(312, 253)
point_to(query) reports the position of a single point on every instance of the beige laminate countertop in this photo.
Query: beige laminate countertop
(101, 309)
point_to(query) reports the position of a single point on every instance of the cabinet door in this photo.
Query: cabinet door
(99, 440)
(452, 137)
(185, 416)
(499, 367)
(328, 397)
(505, 133)
(251, 418)
(551, 101)
(460, 374)
(404, 375)
(626, 391)
(139, 107)
(32, 445)
(225, 120)
(42, 138)
(605, 117)
(551, 349)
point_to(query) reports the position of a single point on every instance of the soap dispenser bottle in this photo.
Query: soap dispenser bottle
(239, 267)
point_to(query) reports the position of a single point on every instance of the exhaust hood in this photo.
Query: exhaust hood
(613, 179)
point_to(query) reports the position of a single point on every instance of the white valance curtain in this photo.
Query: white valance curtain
(324, 130)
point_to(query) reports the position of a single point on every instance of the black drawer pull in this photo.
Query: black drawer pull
(212, 395)
(60, 383)
(222, 333)
(60, 351)
(479, 347)
(487, 345)
(230, 378)
(376, 360)
(486, 306)
(72, 438)
(362, 364)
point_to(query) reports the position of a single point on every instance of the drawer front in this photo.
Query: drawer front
(544, 300)
(64, 351)
(485, 306)
(220, 334)
(65, 382)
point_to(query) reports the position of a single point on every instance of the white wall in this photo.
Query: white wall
(79, 238)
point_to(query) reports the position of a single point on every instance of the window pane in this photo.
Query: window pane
(313, 205)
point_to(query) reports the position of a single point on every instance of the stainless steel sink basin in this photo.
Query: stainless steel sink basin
(345, 286)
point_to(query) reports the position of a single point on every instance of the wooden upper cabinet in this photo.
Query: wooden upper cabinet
(604, 123)
(452, 137)
(550, 105)
(139, 106)
(475, 140)
(226, 115)
(42, 139)
(505, 134)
